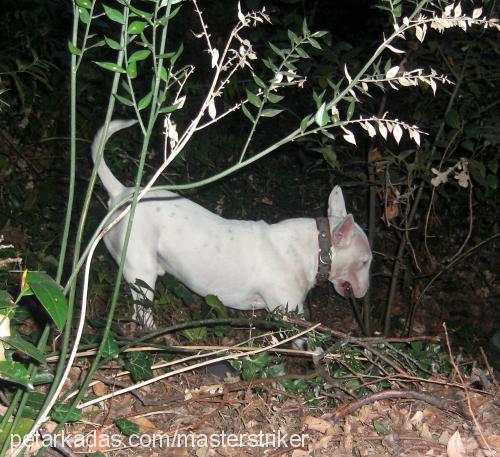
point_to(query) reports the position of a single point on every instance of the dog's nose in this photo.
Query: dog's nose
(360, 292)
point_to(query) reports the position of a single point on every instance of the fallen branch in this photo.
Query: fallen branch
(445, 404)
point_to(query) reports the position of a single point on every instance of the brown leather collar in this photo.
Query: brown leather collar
(324, 251)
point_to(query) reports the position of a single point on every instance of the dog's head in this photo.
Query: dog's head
(351, 253)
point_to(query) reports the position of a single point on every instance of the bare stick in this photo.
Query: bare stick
(466, 389)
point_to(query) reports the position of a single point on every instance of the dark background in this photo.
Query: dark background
(293, 181)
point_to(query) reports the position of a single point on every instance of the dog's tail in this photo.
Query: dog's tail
(109, 180)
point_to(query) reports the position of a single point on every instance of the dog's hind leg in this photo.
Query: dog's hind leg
(143, 295)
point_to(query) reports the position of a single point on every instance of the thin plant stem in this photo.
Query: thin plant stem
(133, 206)
(402, 244)
(372, 203)
(64, 242)
(60, 369)
(455, 260)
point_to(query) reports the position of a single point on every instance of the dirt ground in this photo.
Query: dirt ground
(197, 414)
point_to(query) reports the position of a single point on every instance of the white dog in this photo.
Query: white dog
(246, 264)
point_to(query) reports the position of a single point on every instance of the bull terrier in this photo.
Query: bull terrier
(246, 264)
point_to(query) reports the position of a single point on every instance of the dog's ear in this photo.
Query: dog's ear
(342, 234)
(336, 204)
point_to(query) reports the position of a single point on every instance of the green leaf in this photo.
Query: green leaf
(140, 284)
(84, 15)
(97, 44)
(179, 290)
(314, 43)
(15, 372)
(111, 66)
(252, 366)
(112, 43)
(478, 171)
(127, 427)
(110, 348)
(321, 116)
(387, 66)
(139, 55)
(139, 365)
(165, 55)
(274, 98)
(269, 64)
(114, 15)
(9, 313)
(259, 81)
(22, 428)
(350, 110)
(127, 89)
(73, 49)
(63, 412)
(253, 99)
(195, 334)
(270, 112)
(132, 70)
(302, 53)
(36, 400)
(50, 295)
(276, 50)
(468, 145)
(492, 165)
(172, 14)
(162, 97)
(305, 28)
(145, 101)
(164, 74)
(136, 27)
(177, 54)
(29, 412)
(145, 42)
(140, 13)
(274, 371)
(352, 384)
(318, 99)
(247, 113)
(220, 310)
(491, 181)
(320, 33)
(42, 377)
(123, 100)
(293, 37)
(377, 425)
(5, 300)
(169, 109)
(330, 156)
(303, 123)
(84, 3)
(24, 346)
(452, 119)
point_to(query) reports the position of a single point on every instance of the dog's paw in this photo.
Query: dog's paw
(144, 317)
(302, 345)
